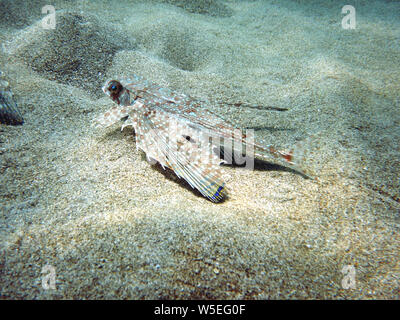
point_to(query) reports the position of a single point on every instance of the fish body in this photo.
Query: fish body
(179, 133)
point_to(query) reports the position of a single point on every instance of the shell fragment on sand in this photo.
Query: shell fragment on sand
(9, 113)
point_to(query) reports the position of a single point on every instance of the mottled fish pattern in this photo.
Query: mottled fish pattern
(178, 132)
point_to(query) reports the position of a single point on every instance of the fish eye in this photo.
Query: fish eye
(114, 87)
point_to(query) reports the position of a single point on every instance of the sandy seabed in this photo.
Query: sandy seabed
(86, 202)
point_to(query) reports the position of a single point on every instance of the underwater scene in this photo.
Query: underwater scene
(181, 150)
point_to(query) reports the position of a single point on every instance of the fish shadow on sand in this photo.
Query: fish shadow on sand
(259, 165)
(271, 129)
(170, 175)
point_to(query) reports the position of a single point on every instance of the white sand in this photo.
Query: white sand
(86, 202)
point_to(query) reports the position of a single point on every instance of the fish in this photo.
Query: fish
(183, 134)
(9, 112)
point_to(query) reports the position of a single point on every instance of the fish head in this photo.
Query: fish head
(117, 92)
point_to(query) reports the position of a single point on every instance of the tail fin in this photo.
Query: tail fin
(296, 158)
